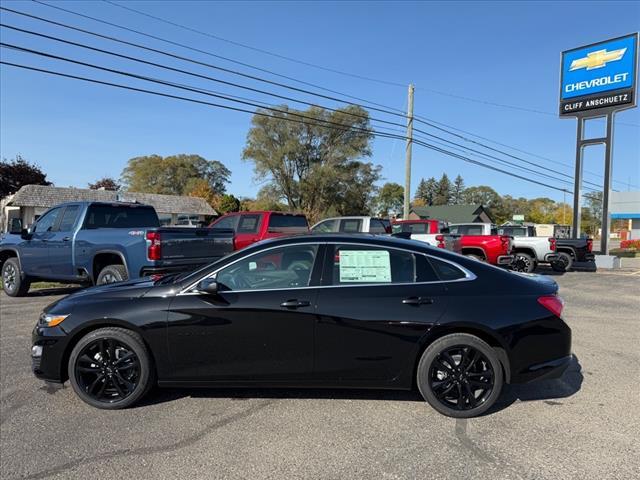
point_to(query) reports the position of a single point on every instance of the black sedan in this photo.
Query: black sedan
(319, 310)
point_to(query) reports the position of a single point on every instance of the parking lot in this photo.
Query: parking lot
(584, 425)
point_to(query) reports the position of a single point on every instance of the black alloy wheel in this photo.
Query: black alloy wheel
(460, 375)
(562, 263)
(110, 368)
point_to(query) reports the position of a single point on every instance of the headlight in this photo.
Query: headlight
(50, 320)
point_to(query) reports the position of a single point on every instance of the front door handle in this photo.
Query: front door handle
(295, 303)
(66, 239)
(417, 301)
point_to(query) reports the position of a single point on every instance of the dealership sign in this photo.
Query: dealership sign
(599, 76)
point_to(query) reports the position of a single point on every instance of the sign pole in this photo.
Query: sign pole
(606, 219)
(577, 180)
(407, 164)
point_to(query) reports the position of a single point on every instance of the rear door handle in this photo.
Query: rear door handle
(417, 301)
(66, 239)
(295, 303)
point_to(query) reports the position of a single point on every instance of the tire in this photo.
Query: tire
(436, 378)
(523, 262)
(563, 263)
(112, 274)
(14, 282)
(110, 368)
(475, 257)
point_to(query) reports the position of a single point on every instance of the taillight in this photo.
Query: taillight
(154, 246)
(506, 242)
(440, 240)
(552, 244)
(589, 244)
(553, 303)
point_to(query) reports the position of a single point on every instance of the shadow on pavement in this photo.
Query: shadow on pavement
(543, 390)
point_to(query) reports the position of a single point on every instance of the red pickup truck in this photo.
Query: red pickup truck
(251, 227)
(481, 241)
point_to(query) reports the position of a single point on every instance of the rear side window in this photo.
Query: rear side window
(248, 224)
(118, 216)
(361, 264)
(226, 222)
(284, 221)
(376, 226)
(447, 271)
(326, 226)
(351, 225)
(419, 228)
(69, 218)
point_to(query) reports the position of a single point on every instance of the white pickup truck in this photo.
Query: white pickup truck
(528, 249)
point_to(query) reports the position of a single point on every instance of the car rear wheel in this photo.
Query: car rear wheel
(460, 375)
(110, 368)
(112, 274)
(562, 263)
(523, 262)
(14, 283)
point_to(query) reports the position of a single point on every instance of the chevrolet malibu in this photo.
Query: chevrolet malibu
(331, 310)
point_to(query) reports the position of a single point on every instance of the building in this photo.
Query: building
(626, 206)
(31, 201)
(453, 213)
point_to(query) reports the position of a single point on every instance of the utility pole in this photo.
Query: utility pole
(407, 165)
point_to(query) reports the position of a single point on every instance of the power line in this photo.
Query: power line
(542, 174)
(204, 52)
(339, 72)
(227, 107)
(109, 52)
(256, 49)
(418, 118)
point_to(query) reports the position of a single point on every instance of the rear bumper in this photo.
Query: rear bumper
(550, 257)
(547, 370)
(505, 259)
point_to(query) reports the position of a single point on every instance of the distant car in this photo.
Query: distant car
(352, 224)
(353, 311)
(252, 227)
(482, 242)
(424, 230)
(528, 249)
(102, 242)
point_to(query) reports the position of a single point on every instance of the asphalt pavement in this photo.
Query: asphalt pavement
(583, 426)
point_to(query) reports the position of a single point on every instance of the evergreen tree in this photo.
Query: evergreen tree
(443, 191)
(457, 191)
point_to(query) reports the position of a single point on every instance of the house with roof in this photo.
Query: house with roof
(31, 201)
(453, 213)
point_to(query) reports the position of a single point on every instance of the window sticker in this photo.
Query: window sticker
(365, 266)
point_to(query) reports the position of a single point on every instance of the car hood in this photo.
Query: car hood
(127, 289)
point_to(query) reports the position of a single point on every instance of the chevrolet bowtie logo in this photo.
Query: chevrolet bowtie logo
(597, 59)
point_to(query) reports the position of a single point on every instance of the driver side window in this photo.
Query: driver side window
(46, 222)
(285, 267)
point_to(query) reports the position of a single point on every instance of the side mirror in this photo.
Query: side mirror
(208, 285)
(26, 233)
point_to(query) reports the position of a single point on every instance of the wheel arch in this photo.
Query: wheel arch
(528, 250)
(90, 327)
(7, 253)
(440, 331)
(106, 257)
(570, 250)
(475, 251)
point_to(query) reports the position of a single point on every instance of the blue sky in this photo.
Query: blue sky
(492, 52)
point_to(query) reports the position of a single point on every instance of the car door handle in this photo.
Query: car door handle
(66, 239)
(417, 301)
(295, 303)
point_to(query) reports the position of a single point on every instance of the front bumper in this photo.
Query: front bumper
(48, 352)
(505, 259)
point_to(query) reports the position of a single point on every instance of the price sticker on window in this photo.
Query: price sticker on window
(365, 266)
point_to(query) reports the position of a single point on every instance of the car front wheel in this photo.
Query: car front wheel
(110, 368)
(460, 375)
(112, 274)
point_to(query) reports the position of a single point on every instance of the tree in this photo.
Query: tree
(18, 172)
(105, 183)
(426, 190)
(443, 191)
(227, 203)
(202, 189)
(541, 210)
(457, 191)
(314, 169)
(174, 175)
(390, 199)
(591, 216)
(267, 199)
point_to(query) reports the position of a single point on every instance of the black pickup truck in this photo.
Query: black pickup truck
(573, 254)
(98, 243)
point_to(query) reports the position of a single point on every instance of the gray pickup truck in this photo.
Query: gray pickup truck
(96, 243)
